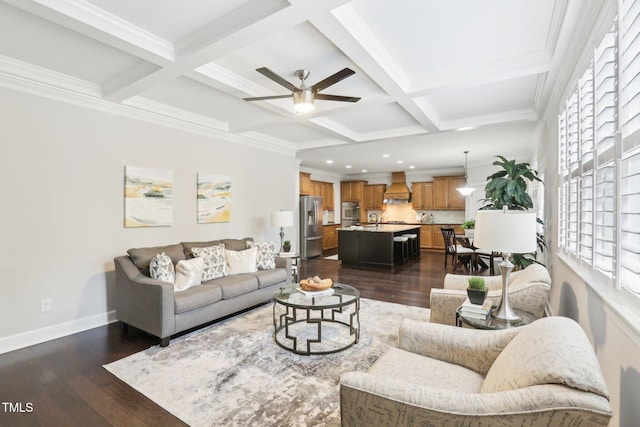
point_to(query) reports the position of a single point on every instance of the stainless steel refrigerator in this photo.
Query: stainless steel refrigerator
(310, 226)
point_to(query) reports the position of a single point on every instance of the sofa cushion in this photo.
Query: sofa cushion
(551, 350)
(188, 246)
(241, 262)
(197, 297)
(141, 257)
(236, 244)
(402, 365)
(161, 268)
(236, 285)
(270, 277)
(533, 273)
(266, 258)
(215, 263)
(188, 273)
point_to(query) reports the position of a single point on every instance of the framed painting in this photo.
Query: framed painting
(148, 197)
(214, 198)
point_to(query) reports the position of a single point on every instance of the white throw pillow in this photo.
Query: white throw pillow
(241, 261)
(266, 257)
(188, 273)
(161, 268)
(215, 264)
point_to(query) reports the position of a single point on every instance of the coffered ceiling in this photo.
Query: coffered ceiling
(425, 70)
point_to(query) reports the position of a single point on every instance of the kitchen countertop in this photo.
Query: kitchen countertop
(382, 228)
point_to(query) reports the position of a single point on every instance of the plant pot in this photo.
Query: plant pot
(469, 232)
(286, 248)
(476, 296)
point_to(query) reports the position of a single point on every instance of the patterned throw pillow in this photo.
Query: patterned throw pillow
(215, 263)
(161, 268)
(266, 258)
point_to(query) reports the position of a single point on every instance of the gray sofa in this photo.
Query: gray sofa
(153, 306)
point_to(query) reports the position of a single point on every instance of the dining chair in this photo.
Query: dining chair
(459, 254)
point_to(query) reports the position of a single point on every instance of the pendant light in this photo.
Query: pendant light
(466, 190)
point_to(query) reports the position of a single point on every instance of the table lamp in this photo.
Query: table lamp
(508, 232)
(282, 219)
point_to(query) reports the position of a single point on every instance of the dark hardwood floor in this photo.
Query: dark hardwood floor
(62, 382)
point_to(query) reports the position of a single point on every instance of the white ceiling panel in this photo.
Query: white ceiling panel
(422, 68)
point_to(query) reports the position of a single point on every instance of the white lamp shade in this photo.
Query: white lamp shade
(282, 219)
(506, 231)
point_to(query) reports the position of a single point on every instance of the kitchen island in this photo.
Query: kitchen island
(371, 245)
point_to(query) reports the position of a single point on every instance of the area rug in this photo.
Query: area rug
(233, 373)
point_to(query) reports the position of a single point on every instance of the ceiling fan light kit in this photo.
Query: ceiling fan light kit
(304, 97)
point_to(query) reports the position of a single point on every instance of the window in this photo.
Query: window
(599, 159)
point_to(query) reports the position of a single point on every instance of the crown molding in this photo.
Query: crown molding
(38, 81)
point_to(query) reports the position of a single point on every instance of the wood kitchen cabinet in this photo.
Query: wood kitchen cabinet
(426, 236)
(374, 196)
(422, 195)
(305, 184)
(330, 236)
(327, 196)
(352, 191)
(445, 195)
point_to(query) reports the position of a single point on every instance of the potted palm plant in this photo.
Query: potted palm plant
(508, 188)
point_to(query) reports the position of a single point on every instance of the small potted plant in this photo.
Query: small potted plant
(286, 246)
(469, 227)
(477, 292)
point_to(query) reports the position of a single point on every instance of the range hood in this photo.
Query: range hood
(398, 192)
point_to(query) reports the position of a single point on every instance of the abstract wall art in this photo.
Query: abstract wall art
(148, 197)
(214, 198)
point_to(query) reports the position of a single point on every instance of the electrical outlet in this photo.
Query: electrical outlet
(46, 304)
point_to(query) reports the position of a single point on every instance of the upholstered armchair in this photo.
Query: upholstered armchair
(542, 374)
(528, 291)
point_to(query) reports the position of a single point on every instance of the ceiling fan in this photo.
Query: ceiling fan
(303, 96)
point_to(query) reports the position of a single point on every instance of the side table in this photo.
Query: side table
(295, 263)
(491, 323)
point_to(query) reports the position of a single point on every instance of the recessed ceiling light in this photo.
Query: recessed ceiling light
(400, 162)
(412, 167)
(329, 161)
(465, 128)
(348, 166)
(385, 155)
(364, 170)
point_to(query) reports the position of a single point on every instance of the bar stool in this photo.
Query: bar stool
(401, 249)
(414, 250)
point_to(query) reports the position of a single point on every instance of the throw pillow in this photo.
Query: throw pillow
(189, 273)
(215, 263)
(266, 258)
(241, 261)
(161, 268)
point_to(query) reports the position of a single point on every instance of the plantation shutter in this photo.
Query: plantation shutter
(630, 222)
(562, 170)
(605, 123)
(586, 187)
(630, 73)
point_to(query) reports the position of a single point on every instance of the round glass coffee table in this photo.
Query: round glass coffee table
(315, 322)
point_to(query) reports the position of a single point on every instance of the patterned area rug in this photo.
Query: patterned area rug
(234, 374)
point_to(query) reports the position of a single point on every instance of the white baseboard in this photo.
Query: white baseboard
(26, 339)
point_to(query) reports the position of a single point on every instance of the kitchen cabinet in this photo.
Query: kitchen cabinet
(445, 195)
(330, 236)
(327, 196)
(305, 184)
(374, 196)
(352, 191)
(422, 195)
(426, 236)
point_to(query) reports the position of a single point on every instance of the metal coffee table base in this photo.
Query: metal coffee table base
(315, 317)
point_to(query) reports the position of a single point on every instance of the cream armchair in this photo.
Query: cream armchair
(542, 374)
(528, 290)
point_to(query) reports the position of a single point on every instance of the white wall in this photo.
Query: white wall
(62, 217)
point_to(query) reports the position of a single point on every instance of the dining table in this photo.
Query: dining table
(474, 262)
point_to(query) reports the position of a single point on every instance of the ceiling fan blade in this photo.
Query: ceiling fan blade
(276, 78)
(333, 79)
(263, 98)
(336, 98)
